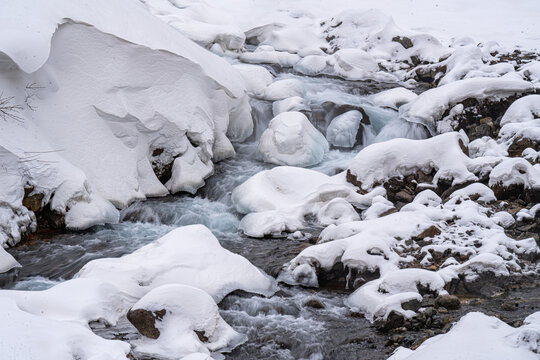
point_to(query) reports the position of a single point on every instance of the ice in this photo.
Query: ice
(292, 140)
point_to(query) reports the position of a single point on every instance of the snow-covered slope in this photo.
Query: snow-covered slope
(104, 106)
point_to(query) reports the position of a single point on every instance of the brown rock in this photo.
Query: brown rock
(314, 303)
(145, 321)
(450, 302)
(429, 232)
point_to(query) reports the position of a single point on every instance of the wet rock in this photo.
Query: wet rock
(427, 301)
(201, 336)
(413, 305)
(314, 303)
(450, 302)
(393, 321)
(145, 321)
(510, 305)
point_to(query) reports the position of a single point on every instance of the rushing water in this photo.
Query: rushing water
(280, 327)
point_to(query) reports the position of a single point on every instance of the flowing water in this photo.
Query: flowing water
(280, 327)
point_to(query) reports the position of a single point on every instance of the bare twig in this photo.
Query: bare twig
(8, 110)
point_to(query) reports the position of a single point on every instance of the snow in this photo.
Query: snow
(523, 109)
(34, 337)
(479, 337)
(282, 89)
(401, 157)
(7, 262)
(89, 127)
(311, 65)
(480, 191)
(343, 129)
(279, 199)
(393, 98)
(188, 255)
(291, 139)
(515, 171)
(187, 309)
(382, 245)
(256, 78)
(429, 107)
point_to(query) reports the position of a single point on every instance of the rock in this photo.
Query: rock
(412, 304)
(404, 196)
(145, 321)
(393, 321)
(429, 232)
(510, 305)
(519, 144)
(404, 41)
(314, 303)
(32, 202)
(450, 302)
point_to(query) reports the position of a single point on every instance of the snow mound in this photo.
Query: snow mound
(343, 129)
(379, 162)
(189, 255)
(186, 310)
(393, 98)
(34, 337)
(279, 199)
(291, 139)
(480, 337)
(524, 109)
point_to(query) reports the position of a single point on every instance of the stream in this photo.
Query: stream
(296, 323)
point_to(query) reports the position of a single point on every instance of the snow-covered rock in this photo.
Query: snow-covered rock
(480, 337)
(343, 129)
(256, 78)
(311, 65)
(182, 310)
(379, 162)
(282, 89)
(292, 140)
(34, 337)
(393, 98)
(189, 255)
(278, 200)
(7, 262)
(524, 109)
(429, 107)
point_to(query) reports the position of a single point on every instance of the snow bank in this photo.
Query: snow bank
(89, 133)
(479, 337)
(186, 310)
(291, 139)
(189, 255)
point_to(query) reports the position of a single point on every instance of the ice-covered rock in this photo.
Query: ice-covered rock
(189, 255)
(480, 337)
(294, 103)
(311, 65)
(292, 140)
(343, 129)
(179, 320)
